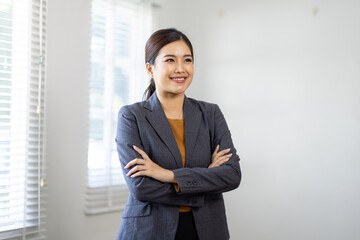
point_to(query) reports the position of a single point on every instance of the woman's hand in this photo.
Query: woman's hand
(146, 167)
(219, 158)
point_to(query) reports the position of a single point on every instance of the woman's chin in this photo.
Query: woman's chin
(181, 89)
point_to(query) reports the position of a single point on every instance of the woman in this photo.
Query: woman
(176, 153)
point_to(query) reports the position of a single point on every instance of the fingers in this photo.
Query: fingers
(139, 167)
(223, 152)
(222, 160)
(219, 158)
(135, 171)
(138, 174)
(218, 155)
(219, 161)
(216, 151)
(134, 162)
(141, 152)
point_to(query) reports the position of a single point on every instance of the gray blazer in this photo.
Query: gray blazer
(152, 210)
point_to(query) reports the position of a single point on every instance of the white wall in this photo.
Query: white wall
(288, 82)
(286, 75)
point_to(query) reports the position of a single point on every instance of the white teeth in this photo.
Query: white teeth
(178, 79)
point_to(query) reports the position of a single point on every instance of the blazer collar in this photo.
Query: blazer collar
(157, 118)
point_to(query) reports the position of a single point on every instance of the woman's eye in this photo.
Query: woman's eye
(169, 60)
(188, 60)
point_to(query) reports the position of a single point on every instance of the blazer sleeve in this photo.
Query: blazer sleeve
(145, 188)
(218, 179)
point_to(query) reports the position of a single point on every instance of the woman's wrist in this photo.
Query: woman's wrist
(166, 176)
(169, 176)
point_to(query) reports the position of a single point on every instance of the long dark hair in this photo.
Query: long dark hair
(153, 45)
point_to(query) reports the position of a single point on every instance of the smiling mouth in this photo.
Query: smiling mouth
(178, 79)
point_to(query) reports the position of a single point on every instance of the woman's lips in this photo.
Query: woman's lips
(179, 79)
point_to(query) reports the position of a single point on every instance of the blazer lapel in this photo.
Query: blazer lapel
(192, 118)
(159, 122)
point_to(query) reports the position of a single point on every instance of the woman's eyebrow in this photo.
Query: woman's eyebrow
(171, 55)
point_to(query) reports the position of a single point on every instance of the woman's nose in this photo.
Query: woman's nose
(179, 67)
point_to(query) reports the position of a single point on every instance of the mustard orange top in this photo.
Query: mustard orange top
(177, 126)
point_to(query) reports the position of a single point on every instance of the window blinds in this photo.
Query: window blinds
(22, 165)
(119, 30)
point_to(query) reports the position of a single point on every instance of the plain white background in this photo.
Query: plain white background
(286, 75)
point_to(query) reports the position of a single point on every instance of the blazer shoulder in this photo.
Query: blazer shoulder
(204, 107)
(135, 109)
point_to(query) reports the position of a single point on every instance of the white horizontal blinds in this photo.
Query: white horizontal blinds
(22, 45)
(119, 30)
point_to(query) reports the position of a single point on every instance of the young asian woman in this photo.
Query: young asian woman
(176, 152)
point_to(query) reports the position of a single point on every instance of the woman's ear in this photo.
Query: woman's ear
(149, 69)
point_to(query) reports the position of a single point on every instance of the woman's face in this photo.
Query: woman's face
(173, 69)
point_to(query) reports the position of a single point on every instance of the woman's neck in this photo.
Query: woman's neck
(172, 105)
